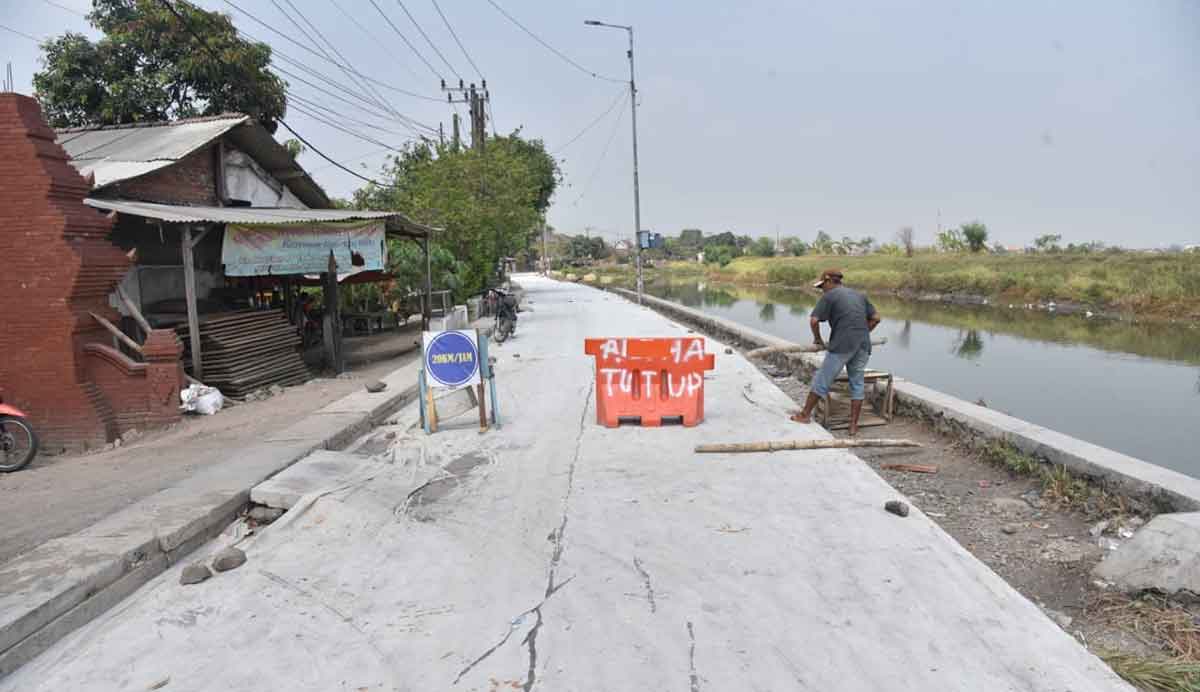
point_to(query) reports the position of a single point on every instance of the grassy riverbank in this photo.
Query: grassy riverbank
(1132, 283)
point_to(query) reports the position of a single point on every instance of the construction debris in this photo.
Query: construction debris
(229, 558)
(194, 574)
(896, 507)
(798, 348)
(375, 386)
(741, 447)
(247, 350)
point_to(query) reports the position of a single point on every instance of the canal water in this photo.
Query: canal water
(1134, 388)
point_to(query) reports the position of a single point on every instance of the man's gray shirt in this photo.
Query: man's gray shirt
(846, 311)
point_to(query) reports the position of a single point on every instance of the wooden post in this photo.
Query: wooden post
(426, 313)
(189, 288)
(333, 318)
(483, 425)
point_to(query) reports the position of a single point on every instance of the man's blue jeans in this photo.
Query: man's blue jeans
(855, 363)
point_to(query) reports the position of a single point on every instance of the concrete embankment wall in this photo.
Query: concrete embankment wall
(1165, 490)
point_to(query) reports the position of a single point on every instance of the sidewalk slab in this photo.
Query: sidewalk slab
(62, 584)
(320, 471)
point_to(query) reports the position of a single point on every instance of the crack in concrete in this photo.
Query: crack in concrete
(637, 564)
(531, 641)
(537, 609)
(694, 679)
(558, 534)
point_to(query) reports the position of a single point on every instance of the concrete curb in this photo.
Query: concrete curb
(64, 583)
(1166, 490)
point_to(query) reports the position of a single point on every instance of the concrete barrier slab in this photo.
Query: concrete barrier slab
(1164, 555)
(318, 472)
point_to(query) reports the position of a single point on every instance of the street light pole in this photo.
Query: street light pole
(637, 202)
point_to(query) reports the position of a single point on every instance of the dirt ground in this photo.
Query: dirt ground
(58, 495)
(1042, 548)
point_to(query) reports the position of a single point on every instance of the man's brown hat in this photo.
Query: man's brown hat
(835, 274)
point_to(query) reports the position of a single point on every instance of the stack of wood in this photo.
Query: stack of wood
(246, 350)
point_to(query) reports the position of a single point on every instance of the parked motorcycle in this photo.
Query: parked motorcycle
(18, 442)
(504, 306)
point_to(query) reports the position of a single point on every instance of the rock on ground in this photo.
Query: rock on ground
(265, 515)
(194, 574)
(375, 386)
(229, 558)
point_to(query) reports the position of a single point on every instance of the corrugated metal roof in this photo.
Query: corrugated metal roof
(250, 216)
(122, 152)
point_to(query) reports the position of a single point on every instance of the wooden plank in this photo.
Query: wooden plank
(189, 288)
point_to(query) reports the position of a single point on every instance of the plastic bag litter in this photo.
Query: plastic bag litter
(200, 399)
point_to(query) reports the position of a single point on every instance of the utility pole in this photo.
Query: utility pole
(545, 257)
(441, 135)
(456, 139)
(476, 101)
(637, 203)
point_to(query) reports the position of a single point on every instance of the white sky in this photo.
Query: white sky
(1077, 117)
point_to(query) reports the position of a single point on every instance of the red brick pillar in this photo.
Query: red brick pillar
(58, 265)
(164, 376)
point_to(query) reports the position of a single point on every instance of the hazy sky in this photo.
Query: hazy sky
(1075, 117)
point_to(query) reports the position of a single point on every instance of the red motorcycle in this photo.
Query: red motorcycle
(18, 442)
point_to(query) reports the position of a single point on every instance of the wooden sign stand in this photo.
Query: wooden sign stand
(428, 404)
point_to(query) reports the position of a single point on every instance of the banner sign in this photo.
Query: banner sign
(451, 358)
(277, 250)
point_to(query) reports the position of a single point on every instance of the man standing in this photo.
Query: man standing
(851, 319)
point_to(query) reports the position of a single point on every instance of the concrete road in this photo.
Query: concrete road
(555, 554)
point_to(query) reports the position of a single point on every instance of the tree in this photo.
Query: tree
(904, 237)
(794, 247)
(975, 234)
(150, 67)
(951, 240)
(763, 247)
(490, 204)
(692, 237)
(719, 254)
(823, 245)
(1047, 243)
(727, 239)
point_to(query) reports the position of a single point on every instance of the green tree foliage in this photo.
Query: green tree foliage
(951, 240)
(727, 239)
(149, 67)
(587, 248)
(763, 247)
(490, 205)
(692, 236)
(719, 254)
(823, 245)
(975, 234)
(1048, 243)
(794, 247)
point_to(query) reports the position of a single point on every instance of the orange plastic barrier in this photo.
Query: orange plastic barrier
(649, 379)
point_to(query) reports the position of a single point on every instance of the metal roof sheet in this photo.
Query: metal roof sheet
(119, 153)
(250, 216)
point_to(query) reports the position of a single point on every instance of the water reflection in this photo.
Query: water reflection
(1060, 371)
(969, 345)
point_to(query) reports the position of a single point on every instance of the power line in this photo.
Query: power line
(337, 126)
(604, 153)
(64, 8)
(310, 50)
(620, 98)
(456, 40)
(387, 49)
(551, 48)
(187, 25)
(378, 100)
(21, 33)
(317, 104)
(427, 39)
(373, 152)
(405, 39)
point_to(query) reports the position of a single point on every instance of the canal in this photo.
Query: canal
(1134, 388)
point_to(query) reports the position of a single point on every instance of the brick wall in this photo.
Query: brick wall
(140, 395)
(192, 180)
(58, 266)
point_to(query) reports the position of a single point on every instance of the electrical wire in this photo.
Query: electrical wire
(318, 105)
(386, 48)
(21, 34)
(604, 153)
(405, 39)
(187, 25)
(369, 108)
(427, 39)
(369, 154)
(621, 96)
(310, 50)
(347, 69)
(64, 8)
(549, 47)
(456, 40)
(337, 126)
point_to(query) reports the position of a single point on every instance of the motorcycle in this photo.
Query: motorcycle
(18, 442)
(504, 307)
